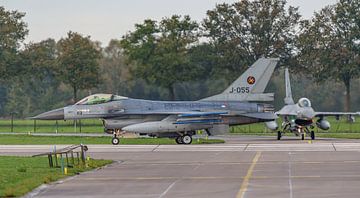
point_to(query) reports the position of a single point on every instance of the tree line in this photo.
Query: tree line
(178, 58)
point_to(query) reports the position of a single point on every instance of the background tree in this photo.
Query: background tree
(34, 91)
(246, 30)
(78, 62)
(12, 32)
(115, 72)
(330, 44)
(160, 51)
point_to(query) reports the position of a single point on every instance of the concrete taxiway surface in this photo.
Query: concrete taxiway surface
(250, 168)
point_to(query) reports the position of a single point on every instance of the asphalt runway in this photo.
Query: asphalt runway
(247, 167)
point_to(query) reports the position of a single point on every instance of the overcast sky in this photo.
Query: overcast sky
(107, 19)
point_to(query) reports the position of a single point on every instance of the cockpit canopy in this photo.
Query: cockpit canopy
(99, 99)
(304, 102)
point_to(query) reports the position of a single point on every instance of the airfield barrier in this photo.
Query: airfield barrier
(51, 126)
(71, 155)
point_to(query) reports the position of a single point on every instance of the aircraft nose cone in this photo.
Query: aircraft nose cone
(57, 114)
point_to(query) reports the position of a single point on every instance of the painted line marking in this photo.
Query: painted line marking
(167, 189)
(290, 176)
(155, 148)
(246, 147)
(245, 183)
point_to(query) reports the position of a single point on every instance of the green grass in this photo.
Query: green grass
(30, 139)
(19, 175)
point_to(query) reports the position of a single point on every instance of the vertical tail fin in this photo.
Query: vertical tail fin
(288, 98)
(251, 84)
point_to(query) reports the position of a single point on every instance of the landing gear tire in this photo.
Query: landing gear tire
(178, 140)
(312, 134)
(278, 135)
(186, 139)
(115, 141)
(302, 136)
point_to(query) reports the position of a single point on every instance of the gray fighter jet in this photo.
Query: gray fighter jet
(300, 118)
(237, 105)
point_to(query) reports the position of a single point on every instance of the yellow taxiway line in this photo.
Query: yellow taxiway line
(245, 182)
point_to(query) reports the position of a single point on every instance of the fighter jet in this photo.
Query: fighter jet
(300, 118)
(241, 103)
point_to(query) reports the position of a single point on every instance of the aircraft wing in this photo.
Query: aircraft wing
(263, 116)
(216, 117)
(196, 117)
(200, 114)
(321, 114)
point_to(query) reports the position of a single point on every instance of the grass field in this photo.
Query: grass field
(52, 140)
(19, 175)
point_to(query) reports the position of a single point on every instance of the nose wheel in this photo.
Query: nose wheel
(115, 141)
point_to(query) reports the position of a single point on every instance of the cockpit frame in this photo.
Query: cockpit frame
(99, 99)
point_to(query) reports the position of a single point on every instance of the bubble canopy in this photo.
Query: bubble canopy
(99, 99)
(304, 102)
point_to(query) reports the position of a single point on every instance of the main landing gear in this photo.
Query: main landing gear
(300, 131)
(312, 134)
(279, 135)
(183, 139)
(308, 132)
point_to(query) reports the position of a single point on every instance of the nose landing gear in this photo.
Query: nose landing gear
(115, 140)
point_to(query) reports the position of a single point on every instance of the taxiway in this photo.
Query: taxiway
(250, 168)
